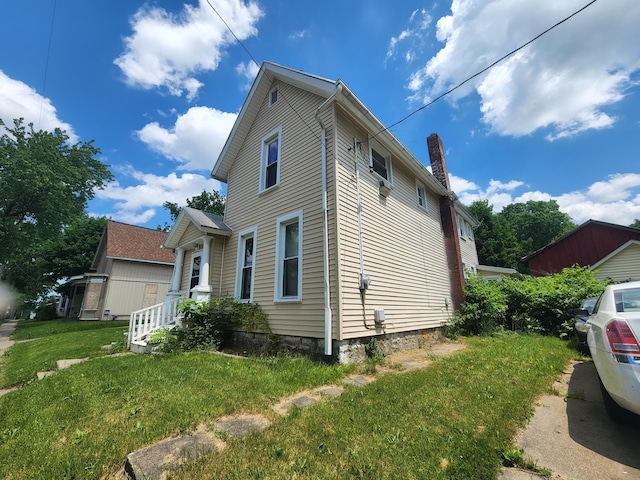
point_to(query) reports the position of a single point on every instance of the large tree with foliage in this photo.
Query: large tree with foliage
(45, 183)
(636, 223)
(211, 202)
(519, 229)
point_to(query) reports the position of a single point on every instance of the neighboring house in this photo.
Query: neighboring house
(130, 271)
(331, 225)
(495, 273)
(612, 251)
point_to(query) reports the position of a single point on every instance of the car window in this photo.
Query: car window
(597, 305)
(588, 304)
(627, 300)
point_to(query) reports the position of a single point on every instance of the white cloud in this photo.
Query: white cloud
(562, 82)
(141, 202)
(411, 37)
(196, 139)
(298, 34)
(614, 200)
(167, 50)
(19, 100)
(249, 71)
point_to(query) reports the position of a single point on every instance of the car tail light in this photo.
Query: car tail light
(621, 338)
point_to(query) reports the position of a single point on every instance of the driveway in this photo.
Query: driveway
(571, 435)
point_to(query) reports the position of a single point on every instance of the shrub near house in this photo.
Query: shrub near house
(540, 304)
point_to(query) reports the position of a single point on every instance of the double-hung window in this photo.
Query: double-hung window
(379, 160)
(421, 195)
(288, 279)
(270, 160)
(245, 270)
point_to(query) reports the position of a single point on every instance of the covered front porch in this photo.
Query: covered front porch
(198, 239)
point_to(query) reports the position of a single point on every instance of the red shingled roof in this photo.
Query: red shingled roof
(137, 243)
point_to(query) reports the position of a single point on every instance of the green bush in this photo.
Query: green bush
(209, 324)
(526, 304)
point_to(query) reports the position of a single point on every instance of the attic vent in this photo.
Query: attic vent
(273, 98)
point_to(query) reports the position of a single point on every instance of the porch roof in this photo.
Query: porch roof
(207, 223)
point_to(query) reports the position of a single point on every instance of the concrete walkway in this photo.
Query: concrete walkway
(571, 434)
(6, 330)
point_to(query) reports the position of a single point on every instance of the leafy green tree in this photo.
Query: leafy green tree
(536, 223)
(72, 252)
(495, 238)
(45, 183)
(211, 202)
(636, 223)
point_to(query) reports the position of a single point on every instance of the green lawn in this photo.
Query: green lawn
(450, 420)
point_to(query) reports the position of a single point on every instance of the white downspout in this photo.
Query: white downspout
(325, 224)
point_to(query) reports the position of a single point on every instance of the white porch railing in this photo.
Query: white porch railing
(145, 321)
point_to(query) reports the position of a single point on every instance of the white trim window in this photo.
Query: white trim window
(421, 195)
(273, 96)
(465, 230)
(245, 270)
(379, 161)
(270, 160)
(288, 275)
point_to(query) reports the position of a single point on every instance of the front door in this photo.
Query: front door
(196, 259)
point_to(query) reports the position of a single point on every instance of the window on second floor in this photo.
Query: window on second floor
(270, 160)
(379, 160)
(421, 195)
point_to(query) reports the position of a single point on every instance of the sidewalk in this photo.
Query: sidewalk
(6, 330)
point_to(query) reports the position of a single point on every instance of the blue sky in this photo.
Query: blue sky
(157, 86)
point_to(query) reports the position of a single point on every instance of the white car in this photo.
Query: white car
(614, 330)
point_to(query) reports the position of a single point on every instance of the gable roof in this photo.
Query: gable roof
(131, 242)
(614, 253)
(632, 232)
(324, 88)
(204, 221)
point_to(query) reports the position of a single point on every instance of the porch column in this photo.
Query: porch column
(174, 289)
(206, 259)
(177, 270)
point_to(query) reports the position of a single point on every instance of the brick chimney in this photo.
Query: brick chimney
(448, 216)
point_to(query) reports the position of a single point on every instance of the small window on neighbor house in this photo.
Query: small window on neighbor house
(289, 258)
(421, 195)
(273, 97)
(270, 160)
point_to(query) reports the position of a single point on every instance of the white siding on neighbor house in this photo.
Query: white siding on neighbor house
(127, 283)
(403, 245)
(622, 267)
(299, 189)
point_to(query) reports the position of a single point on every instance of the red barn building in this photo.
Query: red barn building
(589, 245)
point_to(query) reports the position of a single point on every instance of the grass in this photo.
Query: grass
(28, 329)
(23, 361)
(453, 419)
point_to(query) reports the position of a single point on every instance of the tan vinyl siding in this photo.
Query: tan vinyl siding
(127, 283)
(299, 189)
(622, 267)
(468, 251)
(403, 248)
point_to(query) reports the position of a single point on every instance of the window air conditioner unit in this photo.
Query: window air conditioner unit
(385, 188)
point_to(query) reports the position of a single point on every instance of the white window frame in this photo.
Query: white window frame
(373, 145)
(243, 236)
(281, 224)
(264, 156)
(271, 93)
(421, 199)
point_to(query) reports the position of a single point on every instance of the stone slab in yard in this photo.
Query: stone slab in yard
(151, 462)
(42, 375)
(241, 425)
(358, 380)
(62, 364)
(330, 391)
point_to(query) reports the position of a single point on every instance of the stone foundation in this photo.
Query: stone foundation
(345, 351)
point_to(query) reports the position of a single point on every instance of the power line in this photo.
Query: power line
(260, 68)
(46, 65)
(484, 69)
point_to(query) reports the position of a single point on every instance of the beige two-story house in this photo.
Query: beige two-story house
(331, 225)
